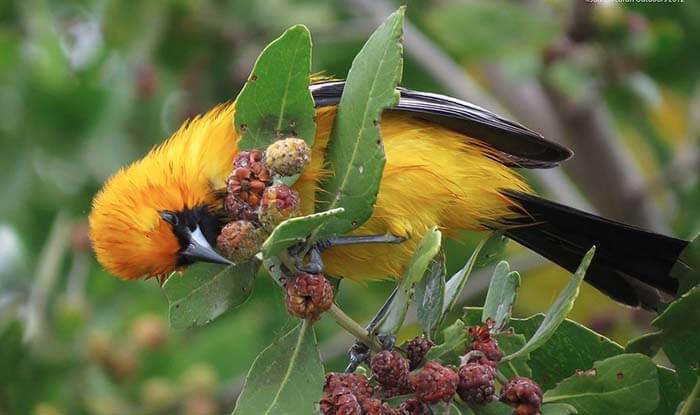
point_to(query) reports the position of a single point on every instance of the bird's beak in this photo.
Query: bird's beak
(199, 249)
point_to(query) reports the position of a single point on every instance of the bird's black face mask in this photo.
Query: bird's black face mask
(196, 231)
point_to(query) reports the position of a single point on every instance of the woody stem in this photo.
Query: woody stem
(352, 327)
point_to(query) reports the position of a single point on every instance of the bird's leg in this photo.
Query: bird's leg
(359, 352)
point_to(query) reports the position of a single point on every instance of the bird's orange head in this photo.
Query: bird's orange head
(160, 213)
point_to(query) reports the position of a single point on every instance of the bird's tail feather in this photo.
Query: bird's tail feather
(629, 264)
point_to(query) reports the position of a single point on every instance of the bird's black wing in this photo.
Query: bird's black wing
(521, 147)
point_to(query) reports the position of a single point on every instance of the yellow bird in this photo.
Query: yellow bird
(449, 163)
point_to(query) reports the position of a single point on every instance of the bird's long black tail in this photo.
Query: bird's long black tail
(629, 263)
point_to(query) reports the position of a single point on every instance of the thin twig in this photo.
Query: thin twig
(689, 403)
(352, 327)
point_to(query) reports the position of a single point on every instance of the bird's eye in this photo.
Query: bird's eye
(169, 217)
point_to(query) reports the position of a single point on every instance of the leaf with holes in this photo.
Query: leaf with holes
(206, 291)
(355, 152)
(275, 101)
(627, 384)
(286, 377)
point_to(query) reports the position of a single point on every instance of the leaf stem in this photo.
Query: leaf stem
(689, 403)
(501, 378)
(352, 327)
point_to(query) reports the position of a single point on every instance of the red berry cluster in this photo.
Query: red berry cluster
(477, 376)
(253, 203)
(308, 295)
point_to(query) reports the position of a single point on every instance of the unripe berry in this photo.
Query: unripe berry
(416, 350)
(309, 295)
(476, 383)
(279, 203)
(390, 368)
(433, 382)
(240, 240)
(157, 394)
(150, 331)
(288, 157)
(523, 394)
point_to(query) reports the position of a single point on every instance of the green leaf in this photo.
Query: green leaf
(355, 151)
(425, 252)
(287, 377)
(669, 391)
(558, 409)
(687, 267)
(295, 230)
(493, 29)
(430, 294)
(275, 101)
(511, 343)
(558, 311)
(457, 409)
(492, 249)
(452, 346)
(493, 408)
(646, 344)
(680, 336)
(581, 346)
(455, 285)
(207, 291)
(501, 296)
(620, 385)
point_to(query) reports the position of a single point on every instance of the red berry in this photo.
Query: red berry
(433, 382)
(356, 383)
(309, 295)
(484, 343)
(390, 368)
(416, 350)
(524, 394)
(374, 406)
(238, 209)
(476, 383)
(413, 407)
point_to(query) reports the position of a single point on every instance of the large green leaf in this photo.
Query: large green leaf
(511, 343)
(648, 344)
(680, 338)
(206, 291)
(355, 151)
(295, 230)
(503, 290)
(430, 294)
(558, 311)
(475, 30)
(558, 409)
(425, 252)
(621, 385)
(287, 377)
(455, 285)
(581, 346)
(687, 268)
(669, 391)
(275, 101)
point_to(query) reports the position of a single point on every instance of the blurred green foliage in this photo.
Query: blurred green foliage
(87, 86)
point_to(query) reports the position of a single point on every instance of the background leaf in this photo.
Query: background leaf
(620, 385)
(558, 409)
(425, 252)
(680, 337)
(558, 311)
(295, 230)
(511, 343)
(646, 344)
(355, 152)
(687, 267)
(206, 291)
(287, 377)
(430, 294)
(503, 290)
(454, 340)
(275, 101)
